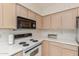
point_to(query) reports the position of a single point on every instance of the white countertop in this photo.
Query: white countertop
(70, 42)
(7, 50)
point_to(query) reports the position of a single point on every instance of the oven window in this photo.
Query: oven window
(34, 52)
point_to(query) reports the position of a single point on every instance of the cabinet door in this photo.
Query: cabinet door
(78, 11)
(31, 15)
(38, 21)
(9, 15)
(46, 22)
(1, 21)
(56, 21)
(54, 50)
(69, 19)
(45, 48)
(67, 52)
(21, 11)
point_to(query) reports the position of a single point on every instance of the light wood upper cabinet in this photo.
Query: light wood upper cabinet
(1, 21)
(38, 21)
(69, 19)
(21, 11)
(78, 11)
(56, 21)
(46, 22)
(31, 15)
(9, 15)
(45, 48)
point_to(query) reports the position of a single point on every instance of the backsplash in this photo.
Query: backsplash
(65, 35)
(4, 33)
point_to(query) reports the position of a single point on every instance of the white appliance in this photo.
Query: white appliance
(11, 39)
(34, 51)
(30, 46)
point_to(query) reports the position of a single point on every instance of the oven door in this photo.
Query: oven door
(36, 51)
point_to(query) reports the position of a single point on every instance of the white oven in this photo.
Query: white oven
(34, 51)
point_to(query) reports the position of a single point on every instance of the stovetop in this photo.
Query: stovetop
(28, 42)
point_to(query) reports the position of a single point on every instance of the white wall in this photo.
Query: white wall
(48, 8)
(66, 35)
(4, 33)
(37, 34)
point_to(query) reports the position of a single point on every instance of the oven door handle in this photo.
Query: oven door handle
(32, 48)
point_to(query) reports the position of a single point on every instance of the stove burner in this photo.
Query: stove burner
(25, 44)
(33, 40)
(22, 43)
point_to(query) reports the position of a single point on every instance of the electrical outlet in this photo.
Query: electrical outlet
(54, 36)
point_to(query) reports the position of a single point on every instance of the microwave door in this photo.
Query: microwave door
(77, 30)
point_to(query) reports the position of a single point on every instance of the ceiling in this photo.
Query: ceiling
(48, 8)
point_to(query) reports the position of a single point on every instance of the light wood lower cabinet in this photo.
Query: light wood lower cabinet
(68, 52)
(54, 50)
(59, 49)
(19, 54)
(45, 48)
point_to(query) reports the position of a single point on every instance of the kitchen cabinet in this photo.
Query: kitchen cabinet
(56, 21)
(38, 21)
(21, 11)
(51, 48)
(78, 11)
(54, 50)
(8, 15)
(46, 22)
(31, 15)
(45, 48)
(19, 54)
(69, 19)
(68, 52)
(1, 20)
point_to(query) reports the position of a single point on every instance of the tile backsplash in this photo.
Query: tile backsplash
(65, 35)
(4, 33)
